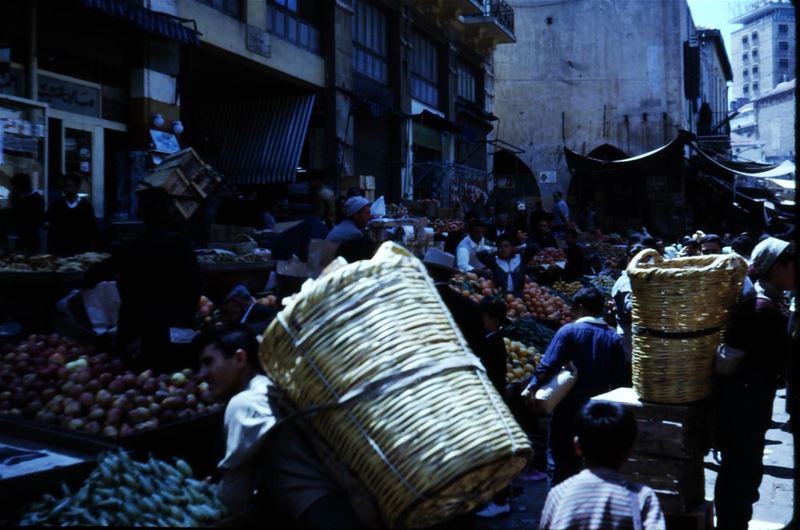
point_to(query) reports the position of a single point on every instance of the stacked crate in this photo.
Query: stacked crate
(186, 178)
(668, 455)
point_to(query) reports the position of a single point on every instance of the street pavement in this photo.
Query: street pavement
(772, 511)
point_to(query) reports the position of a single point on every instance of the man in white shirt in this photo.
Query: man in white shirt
(467, 251)
(276, 462)
(507, 270)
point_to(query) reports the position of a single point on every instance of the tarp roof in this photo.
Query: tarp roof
(579, 162)
(783, 169)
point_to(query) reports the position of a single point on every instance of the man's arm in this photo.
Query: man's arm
(652, 516)
(553, 359)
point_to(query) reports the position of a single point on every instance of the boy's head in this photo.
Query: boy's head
(589, 301)
(605, 435)
(505, 247)
(228, 358)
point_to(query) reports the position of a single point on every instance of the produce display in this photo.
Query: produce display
(473, 286)
(447, 226)
(602, 282)
(55, 381)
(547, 257)
(269, 300)
(521, 360)
(529, 331)
(208, 314)
(121, 491)
(50, 263)
(224, 257)
(567, 289)
(611, 255)
(545, 305)
(396, 211)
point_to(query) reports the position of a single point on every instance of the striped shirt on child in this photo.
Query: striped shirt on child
(600, 499)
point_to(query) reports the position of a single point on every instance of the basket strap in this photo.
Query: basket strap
(638, 330)
(361, 429)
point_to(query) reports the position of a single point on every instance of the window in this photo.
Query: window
(467, 82)
(783, 29)
(295, 21)
(745, 73)
(424, 70)
(746, 89)
(755, 87)
(754, 38)
(745, 42)
(755, 71)
(783, 46)
(369, 42)
(745, 58)
(754, 54)
(783, 64)
(232, 8)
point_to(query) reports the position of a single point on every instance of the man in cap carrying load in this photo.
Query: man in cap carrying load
(758, 344)
(357, 215)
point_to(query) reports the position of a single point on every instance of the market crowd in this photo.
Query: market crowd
(277, 466)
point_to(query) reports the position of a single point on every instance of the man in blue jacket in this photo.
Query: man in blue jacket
(596, 351)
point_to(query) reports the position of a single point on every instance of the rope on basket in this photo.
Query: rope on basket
(674, 334)
(481, 375)
(352, 417)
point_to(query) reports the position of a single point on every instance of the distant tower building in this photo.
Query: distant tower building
(763, 49)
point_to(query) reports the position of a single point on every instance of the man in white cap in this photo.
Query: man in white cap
(357, 215)
(758, 330)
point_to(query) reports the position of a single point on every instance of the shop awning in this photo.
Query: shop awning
(162, 24)
(578, 162)
(783, 169)
(255, 142)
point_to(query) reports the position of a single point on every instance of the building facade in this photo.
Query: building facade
(775, 123)
(586, 73)
(764, 48)
(397, 89)
(715, 76)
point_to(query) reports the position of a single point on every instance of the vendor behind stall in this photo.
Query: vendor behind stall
(26, 213)
(159, 285)
(275, 467)
(467, 251)
(357, 216)
(70, 220)
(508, 271)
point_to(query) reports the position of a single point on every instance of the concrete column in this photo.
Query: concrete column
(338, 50)
(153, 89)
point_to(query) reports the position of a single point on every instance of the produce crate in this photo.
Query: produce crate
(669, 450)
(17, 490)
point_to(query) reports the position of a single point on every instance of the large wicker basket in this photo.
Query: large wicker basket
(422, 425)
(680, 307)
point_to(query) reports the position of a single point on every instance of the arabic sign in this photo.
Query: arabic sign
(69, 97)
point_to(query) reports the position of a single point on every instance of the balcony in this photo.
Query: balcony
(449, 10)
(495, 24)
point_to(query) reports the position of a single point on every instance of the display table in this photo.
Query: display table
(31, 297)
(669, 451)
(220, 278)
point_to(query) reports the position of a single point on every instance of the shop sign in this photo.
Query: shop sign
(164, 141)
(69, 96)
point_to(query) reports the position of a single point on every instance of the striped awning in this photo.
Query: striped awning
(256, 142)
(155, 22)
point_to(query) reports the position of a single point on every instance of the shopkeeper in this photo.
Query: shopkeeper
(357, 215)
(272, 466)
(71, 222)
(507, 269)
(467, 251)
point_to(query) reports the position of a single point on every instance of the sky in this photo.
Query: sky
(716, 14)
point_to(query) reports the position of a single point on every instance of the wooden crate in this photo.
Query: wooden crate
(669, 450)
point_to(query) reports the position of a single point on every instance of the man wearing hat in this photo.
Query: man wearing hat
(758, 329)
(357, 215)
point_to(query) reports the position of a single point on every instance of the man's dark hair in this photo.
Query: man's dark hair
(507, 237)
(470, 215)
(743, 246)
(227, 339)
(712, 238)
(590, 299)
(606, 433)
(476, 223)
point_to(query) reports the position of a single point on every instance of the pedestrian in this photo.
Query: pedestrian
(710, 244)
(560, 212)
(599, 496)
(323, 200)
(597, 352)
(70, 220)
(498, 228)
(758, 330)
(279, 467)
(622, 293)
(27, 214)
(575, 267)
(541, 237)
(357, 215)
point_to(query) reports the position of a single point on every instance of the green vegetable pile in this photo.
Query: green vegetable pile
(529, 331)
(124, 492)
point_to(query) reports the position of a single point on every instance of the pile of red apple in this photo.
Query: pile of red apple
(55, 381)
(547, 257)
